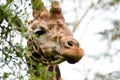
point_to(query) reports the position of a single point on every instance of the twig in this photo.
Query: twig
(83, 16)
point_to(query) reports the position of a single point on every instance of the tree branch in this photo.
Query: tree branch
(83, 16)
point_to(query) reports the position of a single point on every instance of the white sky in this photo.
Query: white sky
(91, 44)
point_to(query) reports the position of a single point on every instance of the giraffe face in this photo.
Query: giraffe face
(51, 39)
(55, 41)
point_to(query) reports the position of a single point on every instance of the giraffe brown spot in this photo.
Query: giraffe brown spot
(40, 51)
(57, 70)
(34, 59)
(35, 45)
(50, 68)
(36, 55)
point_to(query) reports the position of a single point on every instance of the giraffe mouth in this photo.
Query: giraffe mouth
(57, 59)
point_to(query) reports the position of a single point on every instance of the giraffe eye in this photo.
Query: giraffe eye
(70, 43)
(39, 31)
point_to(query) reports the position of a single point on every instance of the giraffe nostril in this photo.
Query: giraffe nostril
(70, 43)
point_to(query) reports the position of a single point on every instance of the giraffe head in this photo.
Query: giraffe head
(51, 40)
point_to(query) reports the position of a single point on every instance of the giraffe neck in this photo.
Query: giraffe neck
(35, 55)
(37, 71)
(55, 68)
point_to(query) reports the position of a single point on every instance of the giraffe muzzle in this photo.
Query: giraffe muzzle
(71, 50)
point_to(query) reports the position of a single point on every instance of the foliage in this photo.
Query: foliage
(12, 48)
(11, 52)
(42, 72)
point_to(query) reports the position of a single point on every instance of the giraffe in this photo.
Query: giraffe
(50, 41)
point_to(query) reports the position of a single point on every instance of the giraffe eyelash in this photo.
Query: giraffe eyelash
(40, 31)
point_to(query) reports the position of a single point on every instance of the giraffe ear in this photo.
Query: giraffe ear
(39, 10)
(56, 11)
